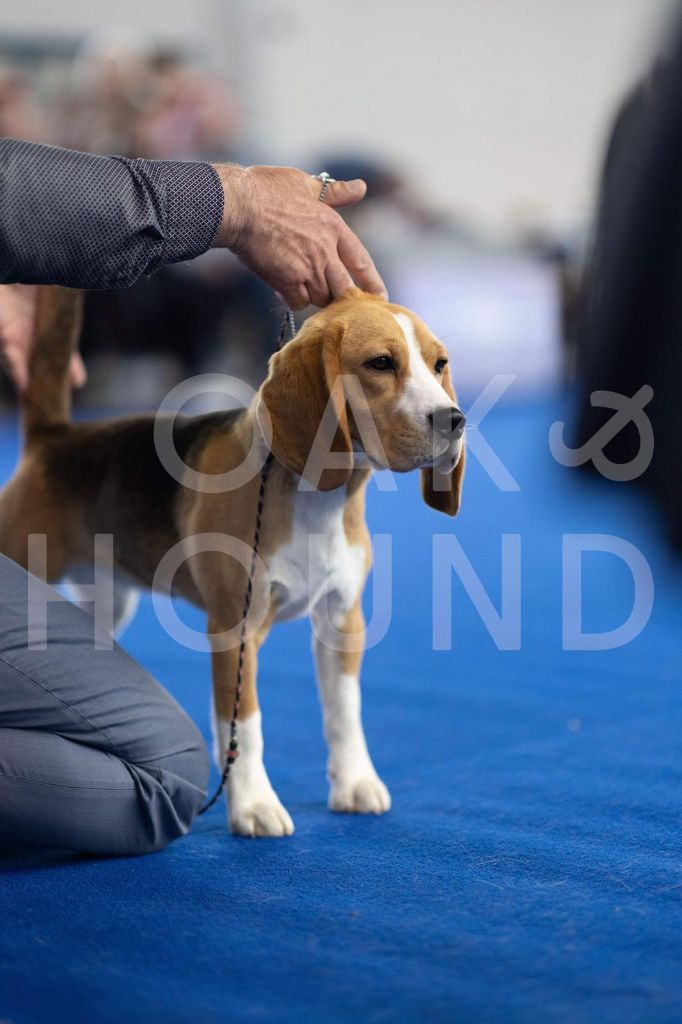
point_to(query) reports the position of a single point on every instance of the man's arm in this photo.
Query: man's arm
(103, 222)
(89, 221)
(100, 222)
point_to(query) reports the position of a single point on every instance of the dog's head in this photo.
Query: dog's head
(365, 382)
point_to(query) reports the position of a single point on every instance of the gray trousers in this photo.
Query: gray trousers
(95, 756)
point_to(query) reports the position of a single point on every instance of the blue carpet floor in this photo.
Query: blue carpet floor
(531, 869)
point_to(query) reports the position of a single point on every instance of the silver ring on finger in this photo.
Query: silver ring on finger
(326, 180)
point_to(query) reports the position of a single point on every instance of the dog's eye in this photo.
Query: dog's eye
(381, 363)
(440, 365)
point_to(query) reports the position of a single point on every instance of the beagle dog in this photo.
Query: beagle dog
(363, 386)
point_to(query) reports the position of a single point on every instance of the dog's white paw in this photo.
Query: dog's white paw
(366, 795)
(265, 817)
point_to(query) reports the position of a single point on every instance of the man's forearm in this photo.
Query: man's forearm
(100, 222)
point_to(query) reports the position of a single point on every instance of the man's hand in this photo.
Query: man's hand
(275, 223)
(18, 307)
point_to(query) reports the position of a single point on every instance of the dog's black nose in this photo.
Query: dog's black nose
(448, 422)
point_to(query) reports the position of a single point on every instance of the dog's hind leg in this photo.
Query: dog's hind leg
(30, 532)
(113, 602)
(126, 602)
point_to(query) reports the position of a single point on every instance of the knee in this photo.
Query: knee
(171, 790)
(191, 761)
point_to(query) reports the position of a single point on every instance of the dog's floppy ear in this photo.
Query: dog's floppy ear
(301, 387)
(443, 491)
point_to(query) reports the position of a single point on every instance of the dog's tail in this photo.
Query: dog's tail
(46, 403)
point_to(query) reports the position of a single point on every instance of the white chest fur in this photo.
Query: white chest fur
(317, 561)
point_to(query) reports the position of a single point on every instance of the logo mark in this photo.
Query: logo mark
(626, 410)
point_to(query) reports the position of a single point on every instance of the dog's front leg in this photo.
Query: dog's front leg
(254, 807)
(354, 785)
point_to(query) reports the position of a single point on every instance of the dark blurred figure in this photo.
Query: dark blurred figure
(632, 330)
(546, 247)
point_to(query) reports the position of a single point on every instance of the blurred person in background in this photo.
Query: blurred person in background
(131, 99)
(188, 112)
(632, 289)
(110, 88)
(20, 115)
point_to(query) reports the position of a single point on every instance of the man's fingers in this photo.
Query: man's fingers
(78, 374)
(358, 261)
(297, 297)
(338, 279)
(318, 290)
(343, 193)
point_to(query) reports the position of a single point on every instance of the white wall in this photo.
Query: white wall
(495, 107)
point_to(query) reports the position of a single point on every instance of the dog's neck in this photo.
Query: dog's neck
(292, 481)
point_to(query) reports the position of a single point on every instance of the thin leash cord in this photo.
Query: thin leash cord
(232, 752)
(233, 748)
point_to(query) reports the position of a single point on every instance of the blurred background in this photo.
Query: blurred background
(481, 127)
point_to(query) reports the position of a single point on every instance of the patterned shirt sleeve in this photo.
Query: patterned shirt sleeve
(98, 222)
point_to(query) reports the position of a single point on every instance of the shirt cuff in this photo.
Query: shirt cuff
(192, 198)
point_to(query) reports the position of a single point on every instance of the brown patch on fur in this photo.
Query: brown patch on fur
(233, 513)
(354, 525)
(224, 665)
(301, 381)
(106, 478)
(220, 579)
(28, 506)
